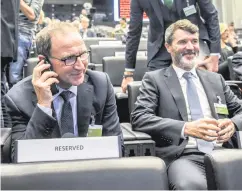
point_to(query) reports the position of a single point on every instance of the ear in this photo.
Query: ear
(168, 47)
(41, 57)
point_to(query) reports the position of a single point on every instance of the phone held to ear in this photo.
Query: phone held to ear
(53, 87)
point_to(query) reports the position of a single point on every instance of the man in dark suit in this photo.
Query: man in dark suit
(65, 99)
(187, 111)
(84, 30)
(161, 14)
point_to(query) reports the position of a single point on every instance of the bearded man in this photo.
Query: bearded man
(188, 112)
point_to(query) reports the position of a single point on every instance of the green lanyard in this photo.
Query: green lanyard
(168, 3)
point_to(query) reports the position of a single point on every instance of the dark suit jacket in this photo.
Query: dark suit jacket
(95, 96)
(9, 29)
(208, 31)
(161, 111)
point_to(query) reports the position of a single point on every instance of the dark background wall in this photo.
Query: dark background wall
(68, 9)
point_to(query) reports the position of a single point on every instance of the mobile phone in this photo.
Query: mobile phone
(53, 87)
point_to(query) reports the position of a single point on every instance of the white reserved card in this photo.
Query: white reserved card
(41, 150)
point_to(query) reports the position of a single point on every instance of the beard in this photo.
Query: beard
(183, 63)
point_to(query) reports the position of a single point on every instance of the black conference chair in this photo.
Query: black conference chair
(145, 145)
(29, 66)
(98, 52)
(133, 93)
(6, 145)
(114, 67)
(95, 41)
(223, 169)
(236, 87)
(137, 173)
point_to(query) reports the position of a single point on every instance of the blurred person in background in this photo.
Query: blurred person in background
(9, 48)
(83, 13)
(232, 33)
(122, 27)
(27, 20)
(228, 48)
(84, 30)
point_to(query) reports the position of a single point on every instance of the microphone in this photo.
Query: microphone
(68, 135)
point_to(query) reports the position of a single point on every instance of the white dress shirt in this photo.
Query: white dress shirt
(58, 104)
(202, 98)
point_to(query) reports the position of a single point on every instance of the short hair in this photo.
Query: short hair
(43, 38)
(124, 19)
(184, 24)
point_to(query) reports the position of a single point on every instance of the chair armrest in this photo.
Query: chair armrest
(5, 133)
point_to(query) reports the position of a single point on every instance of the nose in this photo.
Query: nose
(79, 64)
(189, 45)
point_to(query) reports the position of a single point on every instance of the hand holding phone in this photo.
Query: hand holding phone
(43, 79)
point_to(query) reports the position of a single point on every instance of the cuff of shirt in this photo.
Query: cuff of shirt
(215, 54)
(46, 110)
(182, 132)
(129, 69)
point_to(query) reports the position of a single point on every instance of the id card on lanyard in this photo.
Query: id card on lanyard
(190, 9)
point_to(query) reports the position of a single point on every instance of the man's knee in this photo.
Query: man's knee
(190, 184)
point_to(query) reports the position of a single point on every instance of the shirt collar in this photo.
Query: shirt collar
(73, 89)
(180, 72)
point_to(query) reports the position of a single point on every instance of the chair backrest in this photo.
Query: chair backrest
(223, 169)
(92, 41)
(29, 66)
(236, 66)
(133, 93)
(137, 173)
(231, 71)
(6, 145)
(98, 52)
(114, 67)
(235, 88)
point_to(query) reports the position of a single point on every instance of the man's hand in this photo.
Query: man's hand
(210, 63)
(42, 82)
(126, 81)
(227, 130)
(206, 129)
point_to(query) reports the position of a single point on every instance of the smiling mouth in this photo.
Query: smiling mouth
(79, 74)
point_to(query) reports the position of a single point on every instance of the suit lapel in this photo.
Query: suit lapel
(174, 85)
(84, 107)
(156, 4)
(210, 89)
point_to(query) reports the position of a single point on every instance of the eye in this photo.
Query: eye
(182, 42)
(195, 41)
(67, 58)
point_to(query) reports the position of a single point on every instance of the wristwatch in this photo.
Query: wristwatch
(128, 74)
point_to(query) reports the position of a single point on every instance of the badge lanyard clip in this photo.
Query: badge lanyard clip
(219, 100)
(188, 4)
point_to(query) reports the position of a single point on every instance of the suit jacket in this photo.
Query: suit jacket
(153, 8)
(95, 96)
(9, 27)
(161, 111)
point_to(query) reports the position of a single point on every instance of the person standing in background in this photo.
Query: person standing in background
(9, 44)
(27, 21)
(161, 14)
